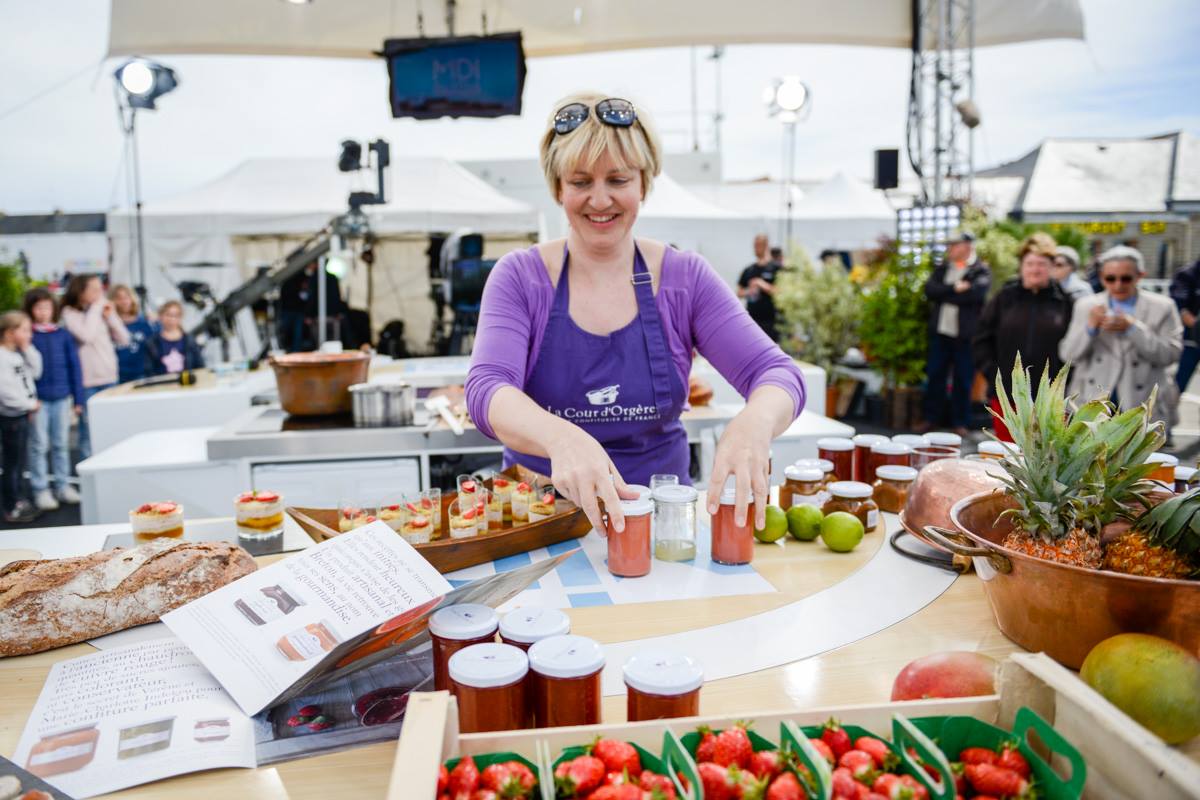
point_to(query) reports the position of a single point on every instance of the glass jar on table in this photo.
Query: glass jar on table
(840, 452)
(674, 522)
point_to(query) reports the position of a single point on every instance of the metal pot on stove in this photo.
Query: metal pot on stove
(379, 405)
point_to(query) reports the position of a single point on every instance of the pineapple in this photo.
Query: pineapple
(1164, 541)
(1079, 471)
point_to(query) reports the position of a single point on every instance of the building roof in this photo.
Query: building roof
(15, 224)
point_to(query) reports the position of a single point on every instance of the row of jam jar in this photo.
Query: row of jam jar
(541, 676)
(856, 459)
(671, 537)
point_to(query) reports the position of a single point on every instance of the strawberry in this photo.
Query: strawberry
(732, 746)
(393, 507)
(919, 792)
(929, 768)
(245, 497)
(618, 779)
(144, 508)
(464, 777)
(714, 779)
(624, 791)
(309, 710)
(578, 776)
(1010, 758)
(617, 756)
(418, 522)
(166, 508)
(823, 749)
(977, 755)
(412, 507)
(767, 764)
(860, 764)
(370, 518)
(499, 483)
(267, 497)
(844, 785)
(469, 514)
(320, 723)
(295, 721)
(889, 786)
(655, 783)
(990, 779)
(878, 750)
(350, 512)
(510, 779)
(548, 498)
(426, 502)
(468, 487)
(443, 779)
(786, 787)
(708, 740)
(484, 794)
(837, 738)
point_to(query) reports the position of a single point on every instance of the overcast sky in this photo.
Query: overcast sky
(1137, 74)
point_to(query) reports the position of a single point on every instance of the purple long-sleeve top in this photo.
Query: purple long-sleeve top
(698, 309)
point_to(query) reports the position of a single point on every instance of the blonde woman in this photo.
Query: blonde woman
(584, 345)
(131, 361)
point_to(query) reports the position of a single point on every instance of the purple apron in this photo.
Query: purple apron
(622, 388)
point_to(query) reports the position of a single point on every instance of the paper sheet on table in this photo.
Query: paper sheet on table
(128, 716)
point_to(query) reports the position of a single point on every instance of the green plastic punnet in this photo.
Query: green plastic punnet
(791, 737)
(905, 735)
(676, 759)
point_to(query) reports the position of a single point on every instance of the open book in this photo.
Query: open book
(314, 653)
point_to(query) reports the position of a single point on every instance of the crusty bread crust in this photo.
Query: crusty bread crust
(47, 604)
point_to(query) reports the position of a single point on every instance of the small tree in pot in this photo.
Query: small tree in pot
(819, 307)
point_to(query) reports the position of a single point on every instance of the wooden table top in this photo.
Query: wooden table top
(862, 672)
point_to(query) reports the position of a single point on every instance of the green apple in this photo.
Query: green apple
(776, 527)
(841, 532)
(804, 522)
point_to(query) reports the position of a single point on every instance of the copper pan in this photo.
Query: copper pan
(939, 485)
(313, 384)
(1059, 609)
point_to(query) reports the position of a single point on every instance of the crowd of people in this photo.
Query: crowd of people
(55, 355)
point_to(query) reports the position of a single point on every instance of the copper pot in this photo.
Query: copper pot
(939, 485)
(312, 384)
(1059, 609)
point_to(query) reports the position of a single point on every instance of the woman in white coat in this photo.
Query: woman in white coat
(1122, 342)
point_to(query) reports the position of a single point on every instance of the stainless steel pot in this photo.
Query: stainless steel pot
(378, 405)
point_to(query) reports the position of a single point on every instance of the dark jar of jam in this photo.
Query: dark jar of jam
(566, 681)
(732, 543)
(489, 682)
(840, 452)
(660, 684)
(454, 627)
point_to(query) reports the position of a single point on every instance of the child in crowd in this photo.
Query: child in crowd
(171, 350)
(20, 367)
(60, 389)
(131, 360)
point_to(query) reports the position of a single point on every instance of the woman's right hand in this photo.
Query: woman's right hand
(583, 473)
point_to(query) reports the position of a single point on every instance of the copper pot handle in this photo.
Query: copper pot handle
(961, 545)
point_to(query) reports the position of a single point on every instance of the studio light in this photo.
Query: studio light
(144, 81)
(786, 98)
(351, 157)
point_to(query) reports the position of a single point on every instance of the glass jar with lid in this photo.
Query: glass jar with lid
(863, 443)
(660, 684)
(454, 627)
(629, 549)
(913, 440)
(1183, 477)
(566, 681)
(840, 451)
(944, 439)
(488, 681)
(674, 522)
(732, 543)
(886, 452)
(892, 484)
(802, 486)
(524, 627)
(853, 497)
(1164, 467)
(825, 465)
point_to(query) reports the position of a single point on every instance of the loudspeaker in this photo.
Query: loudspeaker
(470, 246)
(887, 169)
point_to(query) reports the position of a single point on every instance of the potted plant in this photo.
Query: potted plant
(819, 310)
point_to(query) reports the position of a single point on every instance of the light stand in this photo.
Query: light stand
(786, 98)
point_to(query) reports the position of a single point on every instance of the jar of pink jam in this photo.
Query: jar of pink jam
(732, 544)
(660, 684)
(454, 627)
(566, 681)
(629, 549)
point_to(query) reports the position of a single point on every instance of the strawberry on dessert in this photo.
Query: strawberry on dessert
(393, 516)
(542, 508)
(519, 500)
(352, 517)
(258, 512)
(154, 520)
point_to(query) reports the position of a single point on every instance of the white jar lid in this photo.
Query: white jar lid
(823, 464)
(890, 448)
(643, 491)
(1184, 473)
(1166, 459)
(911, 439)
(463, 621)
(943, 439)
(806, 474)
(729, 491)
(855, 489)
(676, 493)
(835, 443)
(868, 439)
(662, 672)
(896, 472)
(567, 656)
(488, 665)
(534, 623)
(990, 448)
(637, 508)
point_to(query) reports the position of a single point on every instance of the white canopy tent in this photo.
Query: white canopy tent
(842, 214)
(357, 28)
(264, 208)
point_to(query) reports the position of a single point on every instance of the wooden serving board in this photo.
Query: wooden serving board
(448, 555)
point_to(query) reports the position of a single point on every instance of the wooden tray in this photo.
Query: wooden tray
(448, 555)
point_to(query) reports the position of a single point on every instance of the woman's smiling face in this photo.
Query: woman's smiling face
(601, 201)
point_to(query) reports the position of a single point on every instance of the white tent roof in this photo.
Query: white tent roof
(1074, 176)
(1186, 183)
(300, 195)
(844, 198)
(357, 28)
(670, 200)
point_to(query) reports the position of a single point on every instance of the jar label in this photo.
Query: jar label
(817, 499)
(306, 644)
(872, 519)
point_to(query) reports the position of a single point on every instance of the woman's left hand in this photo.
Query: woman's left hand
(744, 452)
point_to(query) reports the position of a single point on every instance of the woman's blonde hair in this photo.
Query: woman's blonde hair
(636, 147)
(11, 320)
(120, 287)
(1040, 244)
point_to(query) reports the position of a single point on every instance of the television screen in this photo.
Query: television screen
(461, 76)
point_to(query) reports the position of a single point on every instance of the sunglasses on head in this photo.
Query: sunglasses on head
(1115, 278)
(613, 111)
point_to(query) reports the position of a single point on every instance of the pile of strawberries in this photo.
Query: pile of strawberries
(731, 770)
(610, 770)
(865, 768)
(985, 774)
(506, 781)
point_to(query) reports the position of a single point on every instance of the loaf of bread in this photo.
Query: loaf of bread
(47, 604)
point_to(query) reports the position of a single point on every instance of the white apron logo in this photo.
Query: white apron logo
(605, 396)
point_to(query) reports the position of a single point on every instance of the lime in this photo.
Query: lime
(804, 522)
(841, 532)
(776, 527)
